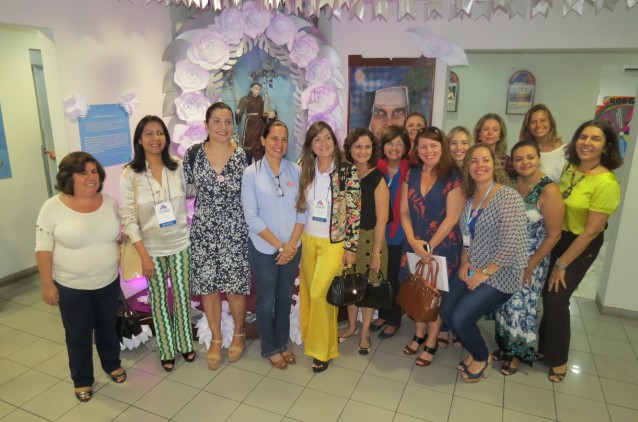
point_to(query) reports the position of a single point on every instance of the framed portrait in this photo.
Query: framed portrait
(384, 91)
(452, 91)
(520, 92)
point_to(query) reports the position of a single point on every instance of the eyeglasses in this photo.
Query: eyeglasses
(429, 129)
(278, 189)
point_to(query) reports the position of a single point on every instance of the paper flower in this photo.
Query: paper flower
(328, 119)
(129, 102)
(231, 25)
(435, 46)
(190, 77)
(75, 107)
(208, 49)
(191, 106)
(319, 70)
(255, 20)
(320, 98)
(295, 326)
(143, 299)
(136, 340)
(188, 134)
(282, 30)
(304, 49)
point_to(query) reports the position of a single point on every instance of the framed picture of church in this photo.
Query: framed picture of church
(384, 91)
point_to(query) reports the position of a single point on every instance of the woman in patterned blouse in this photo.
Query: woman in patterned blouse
(493, 225)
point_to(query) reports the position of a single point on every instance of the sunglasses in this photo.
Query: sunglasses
(278, 189)
(429, 129)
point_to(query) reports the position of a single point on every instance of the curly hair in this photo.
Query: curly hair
(307, 160)
(353, 137)
(468, 186)
(75, 163)
(501, 145)
(611, 157)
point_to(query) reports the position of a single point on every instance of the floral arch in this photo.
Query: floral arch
(207, 48)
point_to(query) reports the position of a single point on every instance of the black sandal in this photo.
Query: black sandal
(507, 369)
(320, 365)
(422, 362)
(118, 378)
(167, 362)
(560, 376)
(410, 351)
(189, 356)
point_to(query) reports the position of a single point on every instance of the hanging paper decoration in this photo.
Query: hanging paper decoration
(518, 7)
(407, 8)
(75, 107)
(542, 7)
(482, 8)
(435, 46)
(380, 9)
(504, 5)
(435, 9)
(573, 5)
(129, 102)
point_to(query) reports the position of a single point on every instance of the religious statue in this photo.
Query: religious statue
(253, 106)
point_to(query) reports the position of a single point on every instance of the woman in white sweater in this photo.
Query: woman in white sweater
(76, 251)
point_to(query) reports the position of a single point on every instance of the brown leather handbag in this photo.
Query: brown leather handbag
(418, 295)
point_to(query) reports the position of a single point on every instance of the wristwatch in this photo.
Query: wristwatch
(281, 248)
(486, 272)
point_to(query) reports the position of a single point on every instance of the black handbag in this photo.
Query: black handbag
(128, 321)
(380, 295)
(347, 288)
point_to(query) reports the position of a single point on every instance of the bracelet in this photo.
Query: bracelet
(560, 266)
(376, 255)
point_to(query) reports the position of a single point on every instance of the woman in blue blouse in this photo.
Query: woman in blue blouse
(268, 195)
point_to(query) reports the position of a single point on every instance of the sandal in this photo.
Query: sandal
(443, 342)
(280, 364)
(559, 376)
(214, 359)
(189, 356)
(84, 396)
(290, 358)
(508, 369)
(472, 378)
(342, 339)
(457, 343)
(410, 351)
(320, 365)
(424, 362)
(498, 355)
(118, 378)
(234, 352)
(167, 362)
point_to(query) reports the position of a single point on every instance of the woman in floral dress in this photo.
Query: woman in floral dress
(516, 319)
(219, 249)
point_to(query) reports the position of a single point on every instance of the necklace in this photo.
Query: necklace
(573, 183)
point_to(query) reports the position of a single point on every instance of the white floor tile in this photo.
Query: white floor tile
(233, 383)
(23, 317)
(579, 342)
(195, 374)
(137, 384)
(464, 410)
(535, 376)
(19, 415)
(245, 413)
(581, 385)
(620, 393)
(262, 397)
(422, 403)
(205, 406)
(616, 369)
(577, 409)
(37, 352)
(317, 406)
(54, 402)
(99, 409)
(133, 414)
(612, 330)
(434, 377)
(299, 373)
(251, 360)
(166, 398)
(16, 341)
(355, 411)
(393, 367)
(510, 415)
(380, 392)
(612, 348)
(335, 380)
(6, 408)
(488, 390)
(10, 369)
(25, 387)
(579, 362)
(622, 414)
(532, 400)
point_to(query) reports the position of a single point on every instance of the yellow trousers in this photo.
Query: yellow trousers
(321, 261)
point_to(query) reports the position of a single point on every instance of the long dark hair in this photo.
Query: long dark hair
(259, 150)
(611, 157)
(138, 163)
(307, 160)
(446, 163)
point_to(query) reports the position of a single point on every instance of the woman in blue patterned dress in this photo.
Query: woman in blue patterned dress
(516, 319)
(431, 203)
(219, 250)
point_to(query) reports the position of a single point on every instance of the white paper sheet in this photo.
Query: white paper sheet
(441, 278)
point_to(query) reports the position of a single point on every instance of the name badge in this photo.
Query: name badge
(165, 214)
(320, 210)
(466, 240)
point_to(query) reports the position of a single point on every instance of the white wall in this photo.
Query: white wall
(606, 31)
(102, 49)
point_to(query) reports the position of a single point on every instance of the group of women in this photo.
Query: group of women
(504, 224)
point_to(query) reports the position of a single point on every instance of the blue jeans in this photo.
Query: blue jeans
(462, 308)
(274, 296)
(83, 313)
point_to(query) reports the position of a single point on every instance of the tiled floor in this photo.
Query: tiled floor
(602, 384)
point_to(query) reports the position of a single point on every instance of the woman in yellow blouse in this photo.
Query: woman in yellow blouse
(591, 194)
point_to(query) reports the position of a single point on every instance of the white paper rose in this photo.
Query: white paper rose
(208, 49)
(129, 102)
(75, 107)
(319, 70)
(191, 106)
(255, 20)
(190, 77)
(320, 98)
(436, 46)
(282, 30)
(231, 25)
(187, 135)
(304, 49)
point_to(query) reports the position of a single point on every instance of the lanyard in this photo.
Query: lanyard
(151, 187)
(472, 214)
